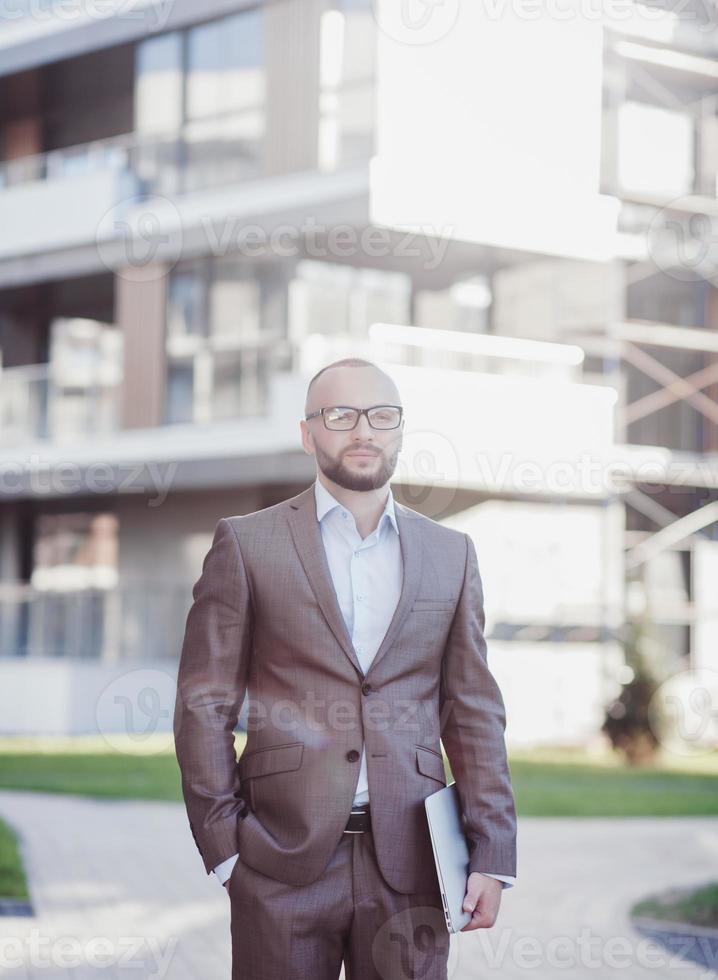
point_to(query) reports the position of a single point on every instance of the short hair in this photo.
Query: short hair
(344, 362)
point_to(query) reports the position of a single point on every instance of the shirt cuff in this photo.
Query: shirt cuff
(224, 870)
(508, 880)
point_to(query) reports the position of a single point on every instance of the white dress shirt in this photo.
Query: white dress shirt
(367, 574)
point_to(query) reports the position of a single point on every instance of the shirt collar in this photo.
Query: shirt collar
(326, 501)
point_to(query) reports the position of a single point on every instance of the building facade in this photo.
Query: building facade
(201, 207)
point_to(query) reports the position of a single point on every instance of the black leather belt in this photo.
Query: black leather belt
(359, 821)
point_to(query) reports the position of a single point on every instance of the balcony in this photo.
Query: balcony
(37, 404)
(39, 196)
(523, 404)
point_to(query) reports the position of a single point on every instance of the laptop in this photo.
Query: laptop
(451, 853)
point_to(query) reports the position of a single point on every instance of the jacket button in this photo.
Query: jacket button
(352, 755)
(366, 688)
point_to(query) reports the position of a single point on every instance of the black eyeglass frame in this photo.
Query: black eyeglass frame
(360, 411)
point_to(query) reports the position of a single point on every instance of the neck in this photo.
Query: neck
(366, 506)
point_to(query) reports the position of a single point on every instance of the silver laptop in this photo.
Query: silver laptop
(451, 853)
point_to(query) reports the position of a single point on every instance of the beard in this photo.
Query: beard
(376, 474)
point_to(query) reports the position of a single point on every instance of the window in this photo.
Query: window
(199, 105)
(347, 85)
(331, 299)
(159, 112)
(226, 331)
(75, 551)
(225, 99)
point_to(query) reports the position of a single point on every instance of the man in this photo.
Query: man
(356, 626)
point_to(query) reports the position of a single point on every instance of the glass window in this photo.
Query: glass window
(75, 551)
(180, 391)
(238, 383)
(347, 84)
(331, 299)
(225, 100)
(234, 302)
(225, 70)
(186, 304)
(158, 85)
(226, 330)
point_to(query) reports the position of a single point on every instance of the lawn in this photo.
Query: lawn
(699, 906)
(12, 877)
(546, 783)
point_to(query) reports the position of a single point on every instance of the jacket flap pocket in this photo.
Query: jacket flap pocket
(430, 764)
(275, 758)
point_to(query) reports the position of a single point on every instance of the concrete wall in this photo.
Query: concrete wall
(554, 694)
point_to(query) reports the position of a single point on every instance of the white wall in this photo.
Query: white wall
(554, 693)
(512, 434)
(489, 127)
(704, 647)
(44, 215)
(545, 563)
(42, 696)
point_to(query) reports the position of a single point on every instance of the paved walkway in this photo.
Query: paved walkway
(120, 891)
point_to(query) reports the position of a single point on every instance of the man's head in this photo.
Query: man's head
(357, 383)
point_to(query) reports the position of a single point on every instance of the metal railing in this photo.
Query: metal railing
(144, 620)
(198, 154)
(37, 402)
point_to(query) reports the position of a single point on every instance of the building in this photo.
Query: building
(200, 207)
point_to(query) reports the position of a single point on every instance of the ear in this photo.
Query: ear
(307, 438)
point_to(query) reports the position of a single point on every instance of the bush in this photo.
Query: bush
(627, 723)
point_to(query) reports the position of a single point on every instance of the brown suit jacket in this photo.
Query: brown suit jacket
(266, 621)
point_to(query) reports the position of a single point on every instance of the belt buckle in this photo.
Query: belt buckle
(359, 812)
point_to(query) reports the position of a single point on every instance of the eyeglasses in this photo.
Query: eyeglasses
(345, 417)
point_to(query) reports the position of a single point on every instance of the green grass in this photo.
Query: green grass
(696, 906)
(91, 766)
(547, 783)
(572, 783)
(572, 789)
(13, 883)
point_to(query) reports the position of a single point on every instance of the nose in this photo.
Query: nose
(362, 429)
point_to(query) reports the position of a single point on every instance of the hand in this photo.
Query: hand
(483, 896)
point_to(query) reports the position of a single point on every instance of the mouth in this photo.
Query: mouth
(364, 455)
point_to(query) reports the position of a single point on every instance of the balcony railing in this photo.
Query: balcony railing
(36, 402)
(211, 151)
(143, 620)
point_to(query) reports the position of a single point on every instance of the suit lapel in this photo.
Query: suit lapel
(307, 536)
